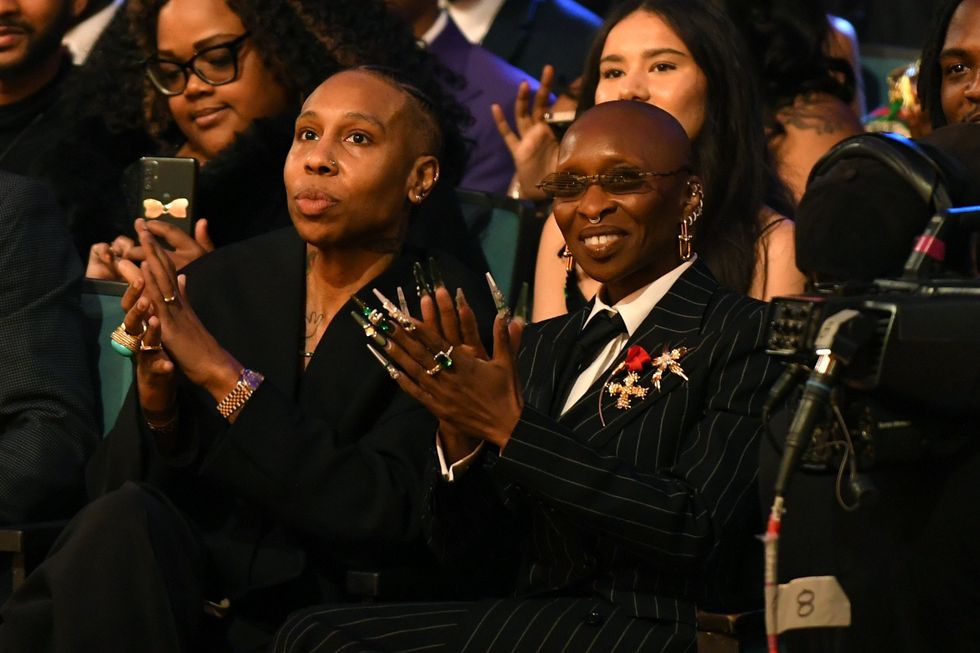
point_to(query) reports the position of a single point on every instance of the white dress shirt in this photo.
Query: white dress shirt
(435, 30)
(473, 17)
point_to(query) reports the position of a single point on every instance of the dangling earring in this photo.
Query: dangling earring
(685, 236)
(569, 261)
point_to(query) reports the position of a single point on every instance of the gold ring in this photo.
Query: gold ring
(124, 342)
(145, 347)
(170, 300)
(435, 370)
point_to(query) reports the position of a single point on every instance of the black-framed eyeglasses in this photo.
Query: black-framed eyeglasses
(216, 65)
(568, 186)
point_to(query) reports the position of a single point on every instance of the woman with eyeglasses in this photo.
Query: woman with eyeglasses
(685, 57)
(221, 82)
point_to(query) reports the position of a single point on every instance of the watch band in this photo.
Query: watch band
(248, 382)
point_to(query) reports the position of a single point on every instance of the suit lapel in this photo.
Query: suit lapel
(343, 346)
(542, 362)
(674, 322)
(511, 28)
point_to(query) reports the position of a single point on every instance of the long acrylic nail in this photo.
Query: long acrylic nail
(369, 330)
(421, 285)
(461, 299)
(385, 363)
(402, 319)
(402, 302)
(364, 308)
(498, 298)
(436, 274)
(520, 313)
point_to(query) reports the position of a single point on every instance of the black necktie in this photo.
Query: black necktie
(602, 328)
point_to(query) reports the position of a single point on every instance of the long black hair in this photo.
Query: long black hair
(731, 153)
(788, 41)
(930, 84)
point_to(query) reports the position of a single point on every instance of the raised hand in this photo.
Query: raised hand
(109, 261)
(533, 147)
(186, 248)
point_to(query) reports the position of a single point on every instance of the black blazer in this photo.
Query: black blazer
(324, 469)
(531, 33)
(656, 510)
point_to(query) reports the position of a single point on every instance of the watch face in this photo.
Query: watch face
(252, 378)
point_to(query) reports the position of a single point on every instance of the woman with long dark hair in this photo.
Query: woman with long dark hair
(686, 57)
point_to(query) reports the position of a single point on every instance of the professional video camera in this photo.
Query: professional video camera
(895, 356)
(878, 402)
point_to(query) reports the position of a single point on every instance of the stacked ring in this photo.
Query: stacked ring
(125, 343)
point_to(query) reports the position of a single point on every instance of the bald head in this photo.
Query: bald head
(637, 128)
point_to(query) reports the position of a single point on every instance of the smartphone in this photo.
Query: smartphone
(559, 122)
(167, 186)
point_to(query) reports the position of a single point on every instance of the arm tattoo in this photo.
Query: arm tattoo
(816, 120)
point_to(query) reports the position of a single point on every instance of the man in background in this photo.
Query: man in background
(488, 79)
(34, 68)
(531, 33)
(949, 75)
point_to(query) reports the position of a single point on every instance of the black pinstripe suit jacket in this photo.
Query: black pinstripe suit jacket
(655, 510)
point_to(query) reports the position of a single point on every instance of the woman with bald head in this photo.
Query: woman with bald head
(607, 471)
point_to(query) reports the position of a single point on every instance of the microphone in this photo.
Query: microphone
(786, 382)
(841, 336)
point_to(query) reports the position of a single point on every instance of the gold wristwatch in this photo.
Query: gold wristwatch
(248, 382)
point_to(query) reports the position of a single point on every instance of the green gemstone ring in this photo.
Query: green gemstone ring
(443, 359)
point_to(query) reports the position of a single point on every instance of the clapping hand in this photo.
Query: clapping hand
(185, 340)
(441, 362)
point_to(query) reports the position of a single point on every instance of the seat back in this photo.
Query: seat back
(508, 233)
(100, 303)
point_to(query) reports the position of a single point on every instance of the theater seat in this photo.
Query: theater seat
(100, 303)
(742, 632)
(508, 232)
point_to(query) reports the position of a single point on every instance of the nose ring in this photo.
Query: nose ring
(595, 219)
